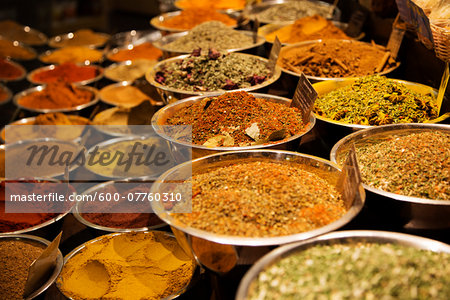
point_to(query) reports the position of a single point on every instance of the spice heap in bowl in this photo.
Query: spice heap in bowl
(138, 265)
(328, 59)
(16, 50)
(5, 94)
(82, 37)
(17, 32)
(352, 265)
(74, 54)
(68, 71)
(145, 50)
(216, 5)
(11, 71)
(232, 121)
(129, 70)
(374, 100)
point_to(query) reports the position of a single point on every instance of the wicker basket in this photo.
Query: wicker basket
(441, 37)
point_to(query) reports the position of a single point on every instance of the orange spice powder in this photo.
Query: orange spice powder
(192, 17)
(141, 51)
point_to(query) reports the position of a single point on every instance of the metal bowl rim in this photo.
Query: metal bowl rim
(340, 237)
(373, 131)
(98, 68)
(257, 241)
(308, 127)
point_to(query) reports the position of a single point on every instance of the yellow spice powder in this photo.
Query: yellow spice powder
(134, 265)
(75, 54)
(122, 95)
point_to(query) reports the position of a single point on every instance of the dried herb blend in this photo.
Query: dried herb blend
(238, 119)
(356, 271)
(415, 165)
(213, 34)
(376, 100)
(336, 58)
(261, 199)
(213, 72)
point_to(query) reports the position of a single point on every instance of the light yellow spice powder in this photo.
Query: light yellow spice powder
(135, 265)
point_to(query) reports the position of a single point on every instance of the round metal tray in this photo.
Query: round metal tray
(78, 249)
(98, 69)
(169, 94)
(59, 260)
(161, 116)
(340, 237)
(18, 96)
(328, 86)
(55, 41)
(161, 43)
(315, 78)
(412, 212)
(18, 66)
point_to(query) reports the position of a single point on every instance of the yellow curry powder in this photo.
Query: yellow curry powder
(15, 51)
(308, 28)
(134, 265)
(83, 37)
(75, 54)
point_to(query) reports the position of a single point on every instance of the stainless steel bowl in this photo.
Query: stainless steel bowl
(80, 248)
(161, 43)
(339, 237)
(201, 242)
(18, 66)
(99, 71)
(18, 96)
(315, 78)
(252, 11)
(126, 64)
(55, 41)
(412, 212)
(158, 20)
(38, 240)
(169, 94)
(8, 94)
(78, 214)
(161, 116)
(135, 37)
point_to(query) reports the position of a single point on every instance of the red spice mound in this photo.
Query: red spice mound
(8, 70)
(69, 72)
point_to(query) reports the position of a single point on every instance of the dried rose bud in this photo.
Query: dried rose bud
(256, 79)
(196, 52)
(159, 77)
(213, 54)
(230, 85)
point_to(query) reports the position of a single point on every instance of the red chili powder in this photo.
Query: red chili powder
(68, 72)
(8, 70)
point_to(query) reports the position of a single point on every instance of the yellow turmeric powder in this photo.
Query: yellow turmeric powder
(308, 28)
(82, 37)
(15, 51)
(133, 265)
(191, 17)
(75, 54)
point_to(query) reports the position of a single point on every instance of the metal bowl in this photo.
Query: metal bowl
(31, 120)
(78, 214)
(99, 71)
(315, 78)
(124, 104)
(39, 88)
(127, 47)
(161, 116)
(49, 52)
(158, 20)
(135, 37)
(27, 30)
(18, 66)
(200, 241)
(78, 249)
(169, 94)
(161, 43)
(340, 237)
(8, 94)
(126, 64)
(403, 210)
(252, 11)
(55, 42)
(21, 45)
(38, 240)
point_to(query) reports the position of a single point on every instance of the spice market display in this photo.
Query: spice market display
(76, 77)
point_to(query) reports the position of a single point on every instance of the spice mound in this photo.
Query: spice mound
(216, 5)
(208, 35)
(213, 72)
(261, 199)
(336, 58)
(416, 165)
(57, 95)
(117, 215)
(82, 37)
(9, 71)
(354, 271)
(68, 71)
(293, 10)
(376, 100)
(238, 119)
(144, 265)
(191, 17)
(129, 71)
(15, 51)
(4, 94)
(308, 28)
(14, 31)
(75, 54)
(122, 95)
(16, 257)
(141, 51)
